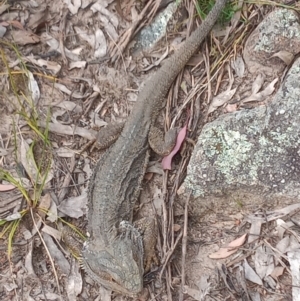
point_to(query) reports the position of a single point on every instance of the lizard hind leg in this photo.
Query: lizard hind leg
(160, 143)
(148, 228)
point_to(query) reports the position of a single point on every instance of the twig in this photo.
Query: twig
(169, 254)
(124, 40)
(62, 35)
(184, 244)
(48, 253)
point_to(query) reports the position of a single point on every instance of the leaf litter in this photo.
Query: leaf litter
(90, 95)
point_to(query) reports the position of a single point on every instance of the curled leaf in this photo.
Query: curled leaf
(232, 247)
(285, 56)
(263, 94)
(166, 162)
(220, 99)
(258, 83)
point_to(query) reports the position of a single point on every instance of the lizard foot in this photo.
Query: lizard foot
(160, 143)
(108, 135)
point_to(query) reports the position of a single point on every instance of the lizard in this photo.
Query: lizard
(114, 253)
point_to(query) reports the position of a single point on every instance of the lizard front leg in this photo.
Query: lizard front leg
(108, 135)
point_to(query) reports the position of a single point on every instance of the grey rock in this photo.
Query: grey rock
(254, 152)
(151, 34)
(278, 33)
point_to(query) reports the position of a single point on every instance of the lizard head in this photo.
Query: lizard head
(117, 265)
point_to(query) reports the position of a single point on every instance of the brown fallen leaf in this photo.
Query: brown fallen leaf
(232, 247)
(231, 108)
(74, 206)
(250, 274)
(222, 253)
(4, 7)
(13, 23)
(177, 227)
(54, 67)
(238, 66)
(278, 271)
(6, 187)
(258, 83)
(24, 37)
(44, 204)
(220, 99)
(286, 56)
(263, 94)
(52, 232)
(238, 242)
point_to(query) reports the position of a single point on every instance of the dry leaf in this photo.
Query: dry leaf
(54, 45)
(44, 204)
(278, 271)
(56, 254)
(27, 160)
(238, 66)
(64, 89)
(282, 226)
(74, 284)
(238, 242)
(220, 99)
(6, 187)
(52, 215)
(272, 215)
(33, 88)
(264, 263)
(155, 168)
(74, 206)
(15, 24)
(195, 294)
(263, 94)
(176, 227)
(258, 83)
(222, 253)
(184, 87)
(283, 244)
(13, 217)
(3, 7)
(250, 274)
(69, 130)
(294, 260)
(79, 64)
(69, 106)
(73, 6)
(2, 31)
(285, 56)
(51, 231)
(232, 247)
(100, 45)
(158, 200)
(231, 108)
(294, 243)
(54, 67)
(109, 20)
(24, 37)
(64, 152)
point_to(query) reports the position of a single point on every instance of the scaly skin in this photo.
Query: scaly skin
(113, 255)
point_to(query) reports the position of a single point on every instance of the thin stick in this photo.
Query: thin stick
(184, 244)
(48, 253)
